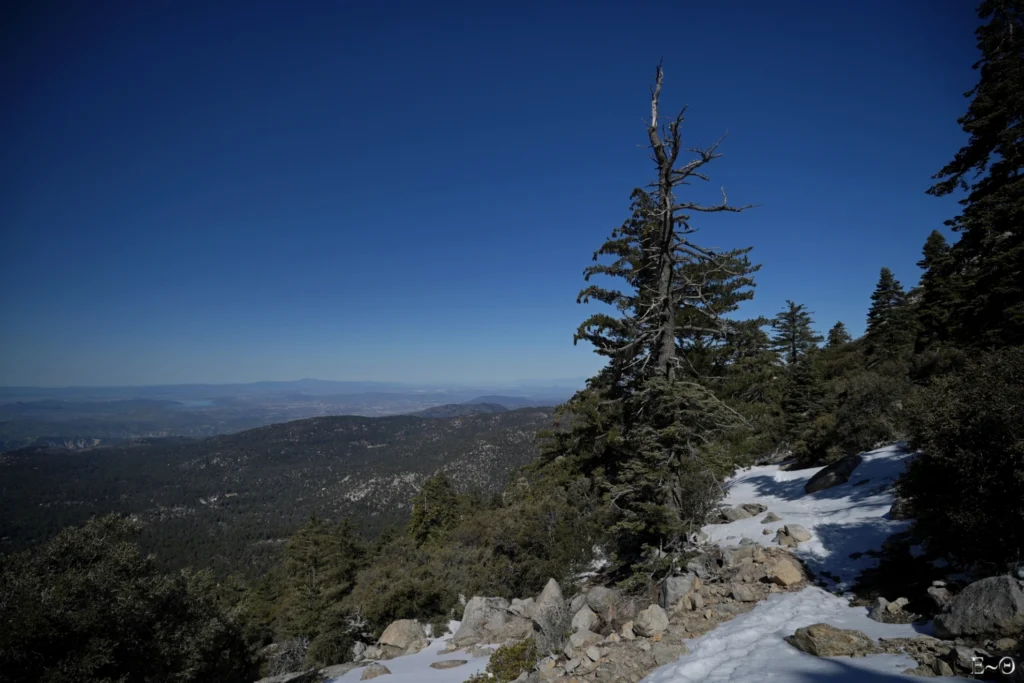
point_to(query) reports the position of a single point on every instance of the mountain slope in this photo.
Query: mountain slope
(461, 410)
(227, 500)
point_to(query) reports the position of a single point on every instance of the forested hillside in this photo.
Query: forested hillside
(228, 501)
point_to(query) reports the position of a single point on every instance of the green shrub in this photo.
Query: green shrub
(870, 410)
(967, 486)
(509, 661)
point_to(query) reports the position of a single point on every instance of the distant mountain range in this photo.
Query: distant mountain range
(228, 501)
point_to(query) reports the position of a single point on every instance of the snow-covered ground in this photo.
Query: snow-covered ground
(416, 668)
(845, 520)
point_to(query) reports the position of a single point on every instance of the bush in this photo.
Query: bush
(509, 661)
(967, 486)
(870, 411)
(88, 606)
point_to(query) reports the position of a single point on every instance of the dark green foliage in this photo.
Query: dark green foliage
(968, 484)
(436, 508)
(794, 337)
(890, 331)
(509, 661)
(937, 297)
(88, 606)
(838, 335)
(801, 399)
(985, 264)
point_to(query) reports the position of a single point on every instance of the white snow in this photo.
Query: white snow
(416, 668)
(849, 519)
(845, 520)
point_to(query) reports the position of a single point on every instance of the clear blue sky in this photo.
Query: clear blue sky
(237, 191)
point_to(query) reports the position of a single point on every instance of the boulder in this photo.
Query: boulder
(784, 539)
(784, 571)
(488, 620)
(835, 474)
(940, 596)
(992, 607)
(551, 620)
(523, 608)
(771, 517)
(797, 533)
(403, 637)
(675, 588)
(736, 555)
(747, 541)
(704, 565)
(448, 663)
(744, 592)
(578, 643)
(824, 640)
(887, 612)
(603, 601)
(585, 620)
(734, 513)
(373, 671)
(651, 621)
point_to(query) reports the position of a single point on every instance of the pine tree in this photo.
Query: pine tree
(890, 329)
(837, 336)
(794, 336)
(988, 256)
(801, 399)
(436, 508)
(937, 292)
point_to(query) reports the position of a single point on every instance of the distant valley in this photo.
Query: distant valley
(229, 501)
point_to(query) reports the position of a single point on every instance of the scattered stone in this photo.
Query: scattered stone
(887, 612)
(823, 640)
(627, 631)
(579, 642)
(992, 607)
(448, 663)
(373, 671)
(593, 653)
(835, 474)
(651, 621)
(675, 588)
(797, 533)
(771, 517)
(585, 620)
(745, 593)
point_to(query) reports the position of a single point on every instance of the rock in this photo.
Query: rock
(785, 540)
(737, 555)
(824, 640)
(651, 621)
(488, 620)
(992, 607)
(835, 474)
(627, 632)
(603, 601)
(579, 642)
(747, 541)
(940, 596)
(754, 508)
(577, 603)
(704, 565)
(785, 571)
(593, 653)
(745, 593)
(551, 621)
(373, 652)
(585, 620)
(357, 650)
(479, 651)
(295, 677)
(771, 517)
(336, 671)
(797, 532)
(448, 663)
(738, 512)
(523, 608)
(573, 664)
(697, 601)
(675, 588)
(1005, 645)
(403, 637)
(373, 671)
(766, 532)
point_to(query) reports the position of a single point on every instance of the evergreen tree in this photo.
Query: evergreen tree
(801, 399)
(794, 336)
(937, 292)
(436, 508)
(837, 336)
(890, 331)
(987, 258)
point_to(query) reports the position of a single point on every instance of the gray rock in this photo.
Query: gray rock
(784, 539)
(744, 592)
(674, 588)
(578, 643)
(771, 517)
(373, 671)
(585, 620)
(593, 653)
(992, 607)
(523, 608)
(704, 565)
(797, 533)
(404, 636)
(448, 663)
(577, 603)
(603, 601)
(488, 620)
(940, 596)
(747, 541)
(651, 621)
(835, 474)
(824, 640)
(551, 620)
(737, 555)
(358, 649)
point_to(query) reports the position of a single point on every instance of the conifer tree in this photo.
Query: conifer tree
(889, 331)
(794, 336)
(801, 399)
(837, 336)
(987, 258)
(937, 292)
(436, 508)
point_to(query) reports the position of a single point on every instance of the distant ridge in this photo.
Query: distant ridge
(461, 410)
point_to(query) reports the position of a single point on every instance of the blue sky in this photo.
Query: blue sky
(238, 191)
